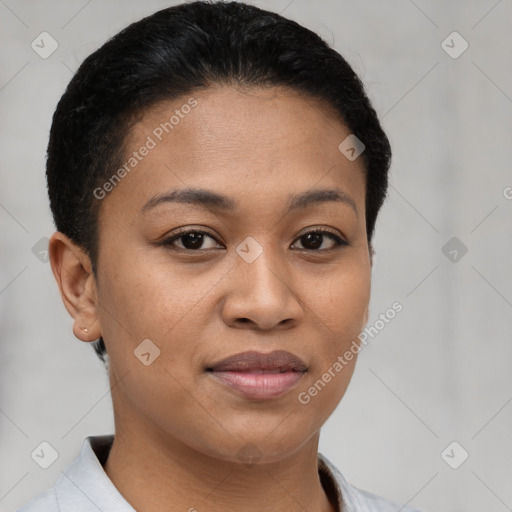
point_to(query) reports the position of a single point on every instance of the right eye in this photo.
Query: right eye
(191, 240)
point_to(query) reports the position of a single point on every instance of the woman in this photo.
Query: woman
(215, 172)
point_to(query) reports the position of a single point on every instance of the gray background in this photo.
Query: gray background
(439, 372)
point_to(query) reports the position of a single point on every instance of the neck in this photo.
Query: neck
(157, 473)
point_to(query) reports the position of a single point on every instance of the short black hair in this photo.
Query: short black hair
(171, 53)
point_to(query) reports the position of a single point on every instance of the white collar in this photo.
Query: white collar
(84, 486)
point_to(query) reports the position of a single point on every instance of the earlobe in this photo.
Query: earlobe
(372, 253)
(72, 270)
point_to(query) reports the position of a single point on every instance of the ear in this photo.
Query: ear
(72, 270)
(371, 253)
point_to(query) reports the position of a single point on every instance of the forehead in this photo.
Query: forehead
(240, 117)
(246, 142)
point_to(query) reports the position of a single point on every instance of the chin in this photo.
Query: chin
(251, 448)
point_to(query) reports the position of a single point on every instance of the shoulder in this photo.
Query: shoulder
(44, 502)
(354, 499)
(375, 503)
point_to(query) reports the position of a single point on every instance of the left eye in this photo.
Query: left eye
(313, 240)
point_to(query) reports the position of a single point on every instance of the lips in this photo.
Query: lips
(259, 376)
(246, 361)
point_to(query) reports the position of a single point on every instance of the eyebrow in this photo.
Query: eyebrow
(214, 200)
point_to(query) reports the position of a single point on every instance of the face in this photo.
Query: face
(261, 271)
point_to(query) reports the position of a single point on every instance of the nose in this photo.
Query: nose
(261, 296)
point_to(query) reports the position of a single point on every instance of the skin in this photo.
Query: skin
(178, 430)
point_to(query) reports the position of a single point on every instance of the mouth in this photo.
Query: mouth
(259, 376)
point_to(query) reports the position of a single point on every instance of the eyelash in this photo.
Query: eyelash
(339, 242)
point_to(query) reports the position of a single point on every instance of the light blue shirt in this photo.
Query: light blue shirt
(85, 487)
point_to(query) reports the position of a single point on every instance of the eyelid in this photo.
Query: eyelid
(168, 240)
(323, 230)
(190, 229)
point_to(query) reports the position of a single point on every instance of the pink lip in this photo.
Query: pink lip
(260, 376)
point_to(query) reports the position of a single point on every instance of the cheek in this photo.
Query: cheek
(340, 314)
(159, 395)
(146, 300)
(340, 307)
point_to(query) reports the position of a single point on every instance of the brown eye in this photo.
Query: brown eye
(314, 240)
(192, 240)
